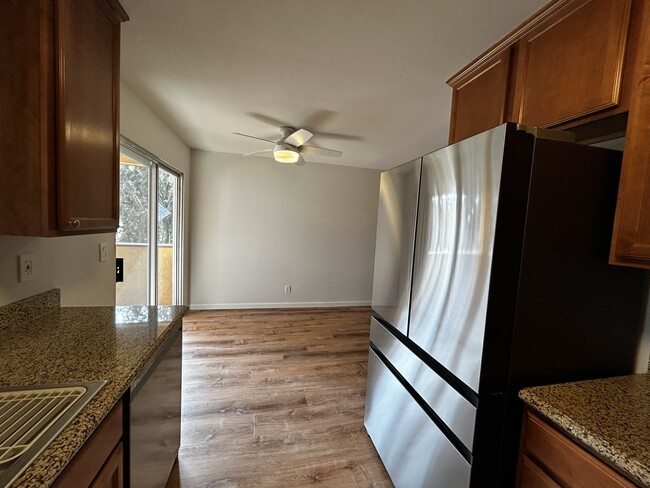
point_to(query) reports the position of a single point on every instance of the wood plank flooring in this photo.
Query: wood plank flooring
(275, 398)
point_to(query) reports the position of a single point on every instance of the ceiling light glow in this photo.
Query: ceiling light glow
(285, 155)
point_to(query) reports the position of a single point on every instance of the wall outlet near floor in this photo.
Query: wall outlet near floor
(26, 271)
(103, 252)
(287, 288)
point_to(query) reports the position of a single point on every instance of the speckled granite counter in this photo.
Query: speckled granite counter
(81, 344)
(610, 417)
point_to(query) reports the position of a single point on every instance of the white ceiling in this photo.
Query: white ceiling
(366, 76)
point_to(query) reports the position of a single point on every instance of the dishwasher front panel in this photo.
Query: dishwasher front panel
(155, 419)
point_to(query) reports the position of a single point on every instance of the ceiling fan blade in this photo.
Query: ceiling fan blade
(299, 137)
(253, 137)
(300, 161)
(258, 152)
(339, 137)
(267, 120)
(320, 151)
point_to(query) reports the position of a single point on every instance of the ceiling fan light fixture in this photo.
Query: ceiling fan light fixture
(289, 149)
(284, 154)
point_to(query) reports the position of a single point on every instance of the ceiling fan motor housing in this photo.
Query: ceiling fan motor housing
(286, 131)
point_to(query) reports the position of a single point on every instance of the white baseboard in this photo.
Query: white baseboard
(231, 306)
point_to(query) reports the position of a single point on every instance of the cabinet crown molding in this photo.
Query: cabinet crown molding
(524, 28)
(114, 10)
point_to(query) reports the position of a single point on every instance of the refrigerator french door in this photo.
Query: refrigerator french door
(398, 202)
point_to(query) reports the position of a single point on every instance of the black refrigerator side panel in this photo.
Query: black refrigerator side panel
(501, 307)
(506, 261)
(577, 317)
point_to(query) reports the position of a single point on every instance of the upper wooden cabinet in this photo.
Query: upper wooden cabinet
(571, 63)
(473, 111)
(631, 239)
(59, 136)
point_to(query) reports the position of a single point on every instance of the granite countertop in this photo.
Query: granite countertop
(66, 345)
(610, 417)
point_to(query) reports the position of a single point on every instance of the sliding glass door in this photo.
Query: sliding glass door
(168, 227)
(148, 239)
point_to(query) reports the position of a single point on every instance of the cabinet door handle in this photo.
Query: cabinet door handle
(75, 224)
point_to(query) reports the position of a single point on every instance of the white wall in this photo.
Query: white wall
(258, 225)
(142, 126)
(70, 263)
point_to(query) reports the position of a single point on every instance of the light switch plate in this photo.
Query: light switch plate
(103, 252)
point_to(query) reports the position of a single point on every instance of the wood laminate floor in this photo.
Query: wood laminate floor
(275, 398)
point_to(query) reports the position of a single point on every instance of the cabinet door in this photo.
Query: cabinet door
(532, 476)
(480, 98)
(89, 462)
(563, 460)
(563, 75)
(112, 473)
(631, 240)
(27, 194)
(87, 62)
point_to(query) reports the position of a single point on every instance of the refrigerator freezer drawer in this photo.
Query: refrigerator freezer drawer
(452, 408)
(415, 453)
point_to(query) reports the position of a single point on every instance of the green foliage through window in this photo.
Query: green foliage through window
(134, 205)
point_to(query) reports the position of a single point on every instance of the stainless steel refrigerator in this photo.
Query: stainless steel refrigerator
(496, 279)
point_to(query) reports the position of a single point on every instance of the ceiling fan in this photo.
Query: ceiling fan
(291, 146)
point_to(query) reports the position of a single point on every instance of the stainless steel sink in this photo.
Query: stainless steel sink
(31, 417)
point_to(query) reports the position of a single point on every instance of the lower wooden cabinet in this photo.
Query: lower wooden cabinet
(112, 473)
(548, 459)
(99, 463)
(532, 476)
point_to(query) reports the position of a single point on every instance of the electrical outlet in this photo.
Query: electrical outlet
(103, 252)
(287, 288)
(26, 271)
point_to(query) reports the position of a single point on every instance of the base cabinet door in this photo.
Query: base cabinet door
(112, 473)
(548, 458)
(532, 476)
(99, 462)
